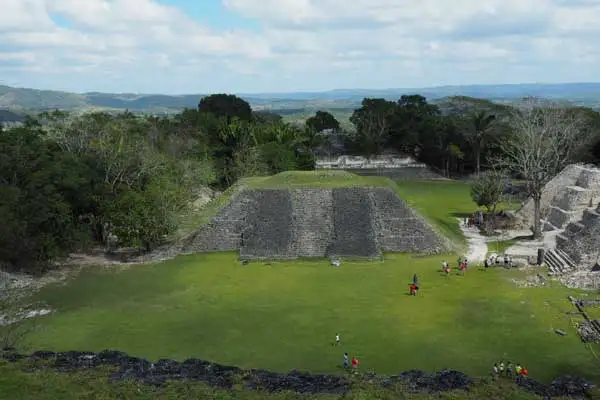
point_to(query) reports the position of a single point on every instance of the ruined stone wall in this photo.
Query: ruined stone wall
(268, 233)
(402, 229)
(160, 372)
(354, 234)
(312, 215)
(406, 173)
(224, 231)
(567, 177)
(581, 240)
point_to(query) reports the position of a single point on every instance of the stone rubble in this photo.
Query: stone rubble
(221, 376)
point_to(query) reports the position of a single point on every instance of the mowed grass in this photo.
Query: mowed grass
(441, 202)
(285, 315)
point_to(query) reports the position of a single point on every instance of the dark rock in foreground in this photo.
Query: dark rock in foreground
(221, 376)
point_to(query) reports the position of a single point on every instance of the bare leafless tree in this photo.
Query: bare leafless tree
(545, 138)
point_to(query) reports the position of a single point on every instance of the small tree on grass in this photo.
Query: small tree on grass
(487, 190)
(545, 138)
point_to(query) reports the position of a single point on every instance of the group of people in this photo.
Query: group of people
(495, 259)
(463, 263)
(517, 371)
(347, 361)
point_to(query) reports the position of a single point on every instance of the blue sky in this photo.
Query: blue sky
(250, 46)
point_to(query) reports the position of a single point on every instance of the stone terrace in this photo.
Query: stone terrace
(224, 232)
(269, 226)
(354, 222)
(401, 229)
(354, 234)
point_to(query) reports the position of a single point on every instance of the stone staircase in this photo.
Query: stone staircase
(559, 262)
(313, 222)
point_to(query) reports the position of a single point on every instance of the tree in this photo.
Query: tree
(412, 122)
(38, 185)
(321, 121)
(372, 122)
(545, 138)
(478, 129)
(487, 190)
(226, 106)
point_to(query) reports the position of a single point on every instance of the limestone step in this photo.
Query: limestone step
(555, 263)
(589, 178)
(558, 217)
(590, 218)
(566, 258)
(573, 197)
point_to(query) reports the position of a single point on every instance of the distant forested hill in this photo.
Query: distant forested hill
(587, 94)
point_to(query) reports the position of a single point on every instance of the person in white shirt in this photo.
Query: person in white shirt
(337, 339)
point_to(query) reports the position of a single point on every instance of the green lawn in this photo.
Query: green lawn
(285, 315)
(441, 202)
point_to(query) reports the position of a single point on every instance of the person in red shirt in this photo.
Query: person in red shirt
(413, 289)
(524, 371)
(355, 363)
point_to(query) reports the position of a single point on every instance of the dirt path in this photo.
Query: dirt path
(477, 244)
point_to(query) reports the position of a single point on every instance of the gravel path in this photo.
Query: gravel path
(477, 244)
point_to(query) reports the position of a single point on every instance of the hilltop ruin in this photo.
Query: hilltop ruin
(353, 222)
(570, 220)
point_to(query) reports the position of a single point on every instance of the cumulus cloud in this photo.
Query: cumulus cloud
(151, 46)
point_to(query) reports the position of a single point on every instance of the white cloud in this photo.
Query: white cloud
(149, 46)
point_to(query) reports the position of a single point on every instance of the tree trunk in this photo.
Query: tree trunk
(537, 223)
(477, 161)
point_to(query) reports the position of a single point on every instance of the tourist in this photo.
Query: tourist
(459, 263)
(501, 367)
(413, 289)
(355, 363)
(486, 264)
(509, 262)
(463, 267)
(444, 265)
(518, 369)
(337, 339)
(509, 370)
(346, 361)
(524, 371)
(495, 371)
(415, 280)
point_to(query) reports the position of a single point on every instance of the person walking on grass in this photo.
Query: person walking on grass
(355, 363)
(495, 371)
(346, 362)
(413, 289)
(337, 339)
(509, 370)
(415, 280)
(501, 367)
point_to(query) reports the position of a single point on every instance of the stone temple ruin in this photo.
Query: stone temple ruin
(570, 219)
(353, 222)
(396, 167)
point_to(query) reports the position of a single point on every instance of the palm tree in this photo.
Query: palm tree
(480, 128)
